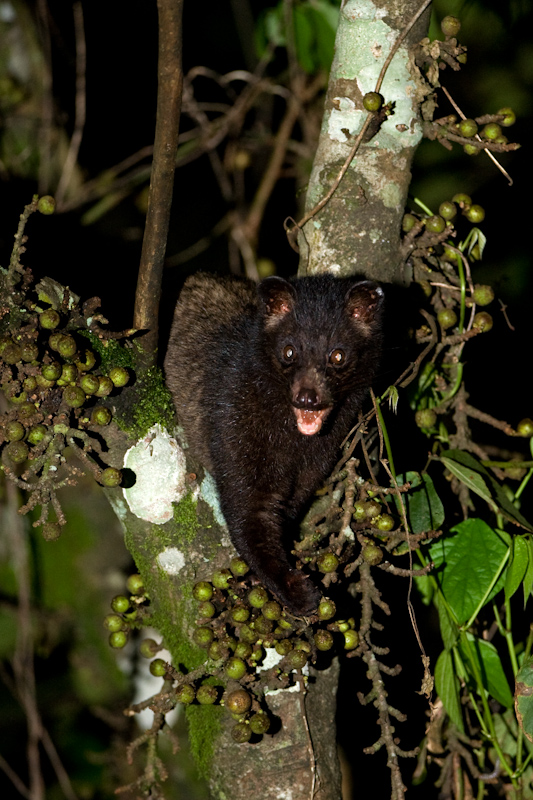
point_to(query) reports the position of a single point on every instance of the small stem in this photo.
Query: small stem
(386, 439)
(424, 207)
(508, 465)
(527, 478)
(508, 634)
(457, 384)
(523, 485)
(483, 600)
(462, 278)
(487, 715)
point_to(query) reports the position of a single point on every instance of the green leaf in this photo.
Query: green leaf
(314, 25)
(96, 211)
(476, 237)
(327, 12)
(528, 577)
(489, 666)
(426, 512)
(471, 479)
(424, 507)
(425, 382)
(448, 629)
(506, 728)
(269, 29)
(325, 18)
(518, 566)
(497, 496)
(425, 587)
(467, 564)
(304, 39)
(274, 26)
(446, 685)
(523, 698)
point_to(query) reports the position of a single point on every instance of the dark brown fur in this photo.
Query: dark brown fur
(251, 367)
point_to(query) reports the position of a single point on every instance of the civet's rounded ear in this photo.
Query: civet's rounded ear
(364, 303)
(277, 295)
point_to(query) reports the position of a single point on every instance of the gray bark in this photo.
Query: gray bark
(358, 231)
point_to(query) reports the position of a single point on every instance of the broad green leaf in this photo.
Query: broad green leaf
(425, 381)
(328, 13)
(528, 577)
(424, 508)
(471, 479)
(496, 493)
(425, 587)
(518, 566)
(448, 628)
(426, 512)
(489, 666)
(506, 728)
(270, 29)
(410, 477)
(523, 698)
(325, 18)
(446, 685)
(314, 27)
(467, 564)
(274, 26)
(304, 38)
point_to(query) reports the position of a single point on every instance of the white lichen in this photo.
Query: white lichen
(345, 119)
(209, 492)
(171, 560)
(160, 476)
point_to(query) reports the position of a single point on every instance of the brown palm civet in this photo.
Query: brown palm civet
(267, 381)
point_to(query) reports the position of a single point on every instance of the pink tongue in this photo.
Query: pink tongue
(309, 422)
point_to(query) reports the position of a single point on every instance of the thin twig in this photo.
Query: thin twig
(489, 420)
(478, 137)
(298, 98)
(80, 105)
(47, 112)
(59, 769)
(14, 778)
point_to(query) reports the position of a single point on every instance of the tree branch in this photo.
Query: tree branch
(170, 82)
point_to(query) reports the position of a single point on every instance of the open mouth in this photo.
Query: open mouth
(310, 422)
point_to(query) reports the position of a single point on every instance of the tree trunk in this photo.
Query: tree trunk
(358, 231)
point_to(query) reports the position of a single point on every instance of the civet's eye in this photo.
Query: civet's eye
(337, 357)
(289, 353)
